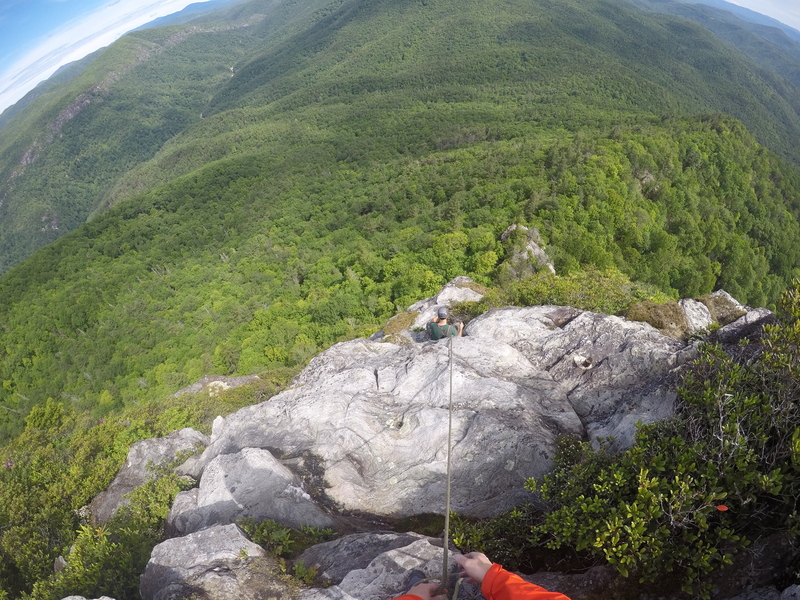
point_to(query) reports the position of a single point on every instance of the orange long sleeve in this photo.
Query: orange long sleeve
(499, 584)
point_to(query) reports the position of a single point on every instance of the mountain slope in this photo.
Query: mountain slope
(449, 74)
(775, 47)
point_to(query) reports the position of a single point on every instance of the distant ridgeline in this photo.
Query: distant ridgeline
(274, 178)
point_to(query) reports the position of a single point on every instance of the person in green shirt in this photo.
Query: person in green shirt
(438, 327)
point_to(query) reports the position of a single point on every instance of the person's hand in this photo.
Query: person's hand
(473, 565)
(460, 328)
(426, 591)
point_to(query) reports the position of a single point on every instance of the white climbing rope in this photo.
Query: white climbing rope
(445, 558)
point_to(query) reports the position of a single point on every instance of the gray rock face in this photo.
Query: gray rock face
(791, 593)
(613, 372)
(250, 483)
(135, 471)
(743, 326)
(376, 414)
(216, 563)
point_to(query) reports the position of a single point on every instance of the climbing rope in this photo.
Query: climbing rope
(445, 559)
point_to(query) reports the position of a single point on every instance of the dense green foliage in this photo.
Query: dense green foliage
(591, 289)
(245, 265)
(694, 489)
(773, 46)
(50, 473)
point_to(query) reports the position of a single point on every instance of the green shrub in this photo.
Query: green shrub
(608, 291)
(283, 542)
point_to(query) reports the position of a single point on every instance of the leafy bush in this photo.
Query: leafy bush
(694, 489)
(108, 560)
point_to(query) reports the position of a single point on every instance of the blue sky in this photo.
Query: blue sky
(39, 36)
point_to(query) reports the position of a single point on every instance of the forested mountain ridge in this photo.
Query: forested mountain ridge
(772, 45)
(507, 65)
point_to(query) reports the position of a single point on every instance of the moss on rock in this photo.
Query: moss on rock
(399, 322)
(667, 317)
(722, 310)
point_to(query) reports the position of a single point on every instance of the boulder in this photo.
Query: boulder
(614, 372)
(142, 456)
(723, 307)
(250, 483)
(385, 576)
(791, 593)
(215, 564)
(215, 384)
(697, 315)
(748, 324)
(334, 560)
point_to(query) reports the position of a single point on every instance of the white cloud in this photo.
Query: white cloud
(785, 11)
(78, 39)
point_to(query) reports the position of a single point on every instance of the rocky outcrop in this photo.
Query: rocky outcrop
(376, 566)
(613, 372)
(384, 576)
(335, 560)
(697, 315)
(216, 563)
(216, 384)
(460, 289)
(409, 326)
(363, 430)
(143, 456)
(234, 486)
(745, 326)
(529, 256)
(723, 307)
(374, 415)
